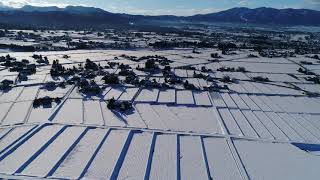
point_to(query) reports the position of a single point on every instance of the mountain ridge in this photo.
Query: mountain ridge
(96, 17)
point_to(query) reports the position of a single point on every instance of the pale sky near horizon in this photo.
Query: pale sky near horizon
(168, 7)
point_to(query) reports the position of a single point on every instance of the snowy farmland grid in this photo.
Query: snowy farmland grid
(253, 130)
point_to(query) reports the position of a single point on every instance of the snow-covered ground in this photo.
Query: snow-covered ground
(253, 130)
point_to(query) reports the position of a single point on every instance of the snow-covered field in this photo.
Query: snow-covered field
(252, 130)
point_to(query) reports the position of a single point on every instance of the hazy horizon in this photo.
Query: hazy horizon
(168, 7)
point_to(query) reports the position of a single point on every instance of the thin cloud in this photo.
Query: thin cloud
(21, 3)
(183, 12)
(311, 4)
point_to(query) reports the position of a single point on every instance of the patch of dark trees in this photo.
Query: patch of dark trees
(45, 102)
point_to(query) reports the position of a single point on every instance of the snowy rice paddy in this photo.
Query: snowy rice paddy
(253, 130)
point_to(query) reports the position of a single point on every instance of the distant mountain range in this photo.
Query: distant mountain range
(79, 16)
(263, 16)
(70, 9)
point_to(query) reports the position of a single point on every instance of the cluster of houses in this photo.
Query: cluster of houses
(232, 69)
(41, 60)
(276, 53)
(23, 66)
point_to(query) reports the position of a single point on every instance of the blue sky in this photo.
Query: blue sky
(174, 7)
